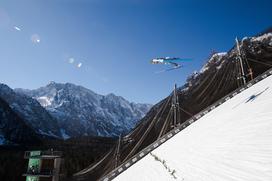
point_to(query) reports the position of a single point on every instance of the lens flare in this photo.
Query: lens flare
(35, 38)
(79, 65)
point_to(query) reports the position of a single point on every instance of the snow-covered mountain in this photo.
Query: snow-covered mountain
(80, 111)
(31, 112)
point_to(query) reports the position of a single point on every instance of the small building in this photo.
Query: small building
(43, 165)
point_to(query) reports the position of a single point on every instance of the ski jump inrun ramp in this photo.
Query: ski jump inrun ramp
(230, 140)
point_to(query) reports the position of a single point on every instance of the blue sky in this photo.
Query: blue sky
(115, 41)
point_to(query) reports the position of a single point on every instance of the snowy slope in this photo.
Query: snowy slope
(232, 142)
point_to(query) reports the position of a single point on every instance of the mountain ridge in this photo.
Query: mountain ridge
(89, 113)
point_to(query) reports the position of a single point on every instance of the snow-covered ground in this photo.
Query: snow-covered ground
(232, 142)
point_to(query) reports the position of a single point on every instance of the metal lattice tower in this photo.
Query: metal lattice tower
(175, 106)
(243, 76)
(117, 158)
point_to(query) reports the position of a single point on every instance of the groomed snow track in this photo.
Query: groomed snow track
(171, 171)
